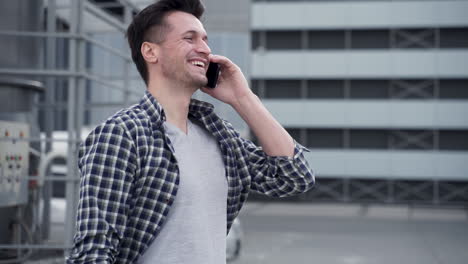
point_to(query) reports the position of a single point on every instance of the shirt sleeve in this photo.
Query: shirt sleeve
(107, 164)
(275, 176)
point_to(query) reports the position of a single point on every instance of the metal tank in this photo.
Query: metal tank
(19, 157)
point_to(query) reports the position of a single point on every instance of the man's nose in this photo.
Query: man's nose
(203, 47)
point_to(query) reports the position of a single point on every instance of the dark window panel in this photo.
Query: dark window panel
(254, 138)
(361, 89)
(368, 139)
(414, 38)
(295, 133)
(283, 40)
(329, 39)
(453, 140)
(454, 37)
(282, 88)
(255, 40)
(325, 138)
(255, 86)
(325, 89)
(453, 89)
(411, 139)
(370, 39)
(412, 89)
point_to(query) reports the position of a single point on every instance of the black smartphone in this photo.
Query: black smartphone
(212, 74)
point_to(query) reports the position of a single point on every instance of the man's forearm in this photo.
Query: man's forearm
(273, 138)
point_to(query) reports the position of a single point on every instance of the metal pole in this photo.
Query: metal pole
(76, 12)
(127, 19)
(97, 79)
(80, 98)
(50, 112)
(57, 73)
(96, 11)
(108, 48)
(37, 34)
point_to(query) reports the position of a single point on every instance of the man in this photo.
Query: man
(162, 181)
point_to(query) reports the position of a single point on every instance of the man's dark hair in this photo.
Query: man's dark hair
(150, 25)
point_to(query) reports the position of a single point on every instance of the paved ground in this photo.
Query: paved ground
(352, 234)
(339, 234)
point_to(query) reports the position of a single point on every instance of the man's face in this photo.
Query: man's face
(184, 50)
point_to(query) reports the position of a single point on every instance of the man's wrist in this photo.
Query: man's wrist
(245, 102)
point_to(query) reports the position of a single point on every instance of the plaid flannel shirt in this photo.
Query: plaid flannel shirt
(129, 179)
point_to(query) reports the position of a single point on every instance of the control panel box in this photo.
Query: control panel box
(14, 163)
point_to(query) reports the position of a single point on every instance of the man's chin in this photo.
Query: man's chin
(200, 82)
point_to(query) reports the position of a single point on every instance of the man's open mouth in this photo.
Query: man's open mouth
(198, 63)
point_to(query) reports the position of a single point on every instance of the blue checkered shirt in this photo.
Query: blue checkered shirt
(129, 179)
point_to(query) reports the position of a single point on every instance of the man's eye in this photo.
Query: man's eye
(188, 38)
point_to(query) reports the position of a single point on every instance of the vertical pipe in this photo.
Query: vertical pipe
(50, 111)
(79, 110)
(127, 19)
(50, 64)
(70, 192)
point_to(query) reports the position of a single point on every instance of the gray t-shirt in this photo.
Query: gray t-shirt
(195, 229)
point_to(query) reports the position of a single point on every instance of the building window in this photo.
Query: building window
(370, 39)
(296, 134)
(453, 89)
(454, 37)
(283, 40)
(325, 138)
(413, 38)
(382, 139)
(453, 140)
(368, 139)
(326, 39)
(412, 139)
(367, 89)
(283, 89)
(412, 89)
(363, 89)
(256, 42)
(255, 87)
(325, 89)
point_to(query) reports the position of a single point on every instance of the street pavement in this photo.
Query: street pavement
(352, 234)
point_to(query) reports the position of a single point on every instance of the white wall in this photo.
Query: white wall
(409, 114)
(358, 14)
(407, 164)
(412, 63)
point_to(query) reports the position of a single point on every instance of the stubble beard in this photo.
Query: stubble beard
(183, 76)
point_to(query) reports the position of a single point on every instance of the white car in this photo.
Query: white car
(234, 241)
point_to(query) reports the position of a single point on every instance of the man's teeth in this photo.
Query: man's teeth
(198, 63)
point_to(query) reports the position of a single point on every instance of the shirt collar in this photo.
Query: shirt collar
(197, 108)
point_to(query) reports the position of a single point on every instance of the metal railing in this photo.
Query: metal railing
(76, 76)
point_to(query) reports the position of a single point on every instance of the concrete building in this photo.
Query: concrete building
(377, 89)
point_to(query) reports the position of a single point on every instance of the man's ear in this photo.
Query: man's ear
(150, 52)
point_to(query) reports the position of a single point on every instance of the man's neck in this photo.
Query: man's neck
(175, 100)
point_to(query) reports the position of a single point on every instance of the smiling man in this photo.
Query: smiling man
(163, 180)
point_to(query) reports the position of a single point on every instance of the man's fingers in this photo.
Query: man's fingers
(225, 62)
